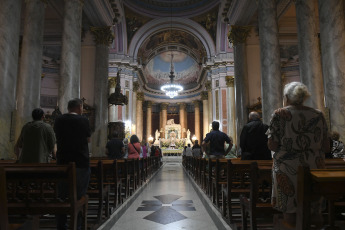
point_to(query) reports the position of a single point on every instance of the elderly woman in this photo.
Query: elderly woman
(298, 135)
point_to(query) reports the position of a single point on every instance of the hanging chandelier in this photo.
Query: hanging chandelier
(171, 89)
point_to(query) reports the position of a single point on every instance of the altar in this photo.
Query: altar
(172, 152)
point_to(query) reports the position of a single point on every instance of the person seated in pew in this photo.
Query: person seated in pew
(299, 136)
(253, 139)
(134, 148)
(125, 143)
(115, 148)
(144, 149)
(196, 149)
(233, 150)
(189, 152)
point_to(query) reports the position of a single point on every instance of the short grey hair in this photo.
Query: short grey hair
(296, 92)
(254, 116)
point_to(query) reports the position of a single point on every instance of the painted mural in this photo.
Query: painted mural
(186, 70)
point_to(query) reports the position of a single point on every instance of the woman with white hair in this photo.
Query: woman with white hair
(299, 136)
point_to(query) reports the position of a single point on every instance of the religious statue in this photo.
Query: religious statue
(157, 134)
(170, 122)
(172, 139)
(188, 134)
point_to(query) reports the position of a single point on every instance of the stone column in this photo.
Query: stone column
(134, 107)
(197, 119)
(164, 108)
(30, 71)
(182, 118)
(160, 122)
(238, 36)
(111, 111)
(149, 120)
(204, 98)
(332, 33)
(103, 38)
(271, 84)
(232, 112)
(309, 53)
(69, 86)
(210, 104)
(9, 39)
(140, 99)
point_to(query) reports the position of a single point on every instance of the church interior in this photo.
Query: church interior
(164, 70)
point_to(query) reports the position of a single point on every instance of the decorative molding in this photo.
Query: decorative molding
(238, 34)
(149, 104)
(103, 35)
(140, 96)
(182, 105)
(196, 104)
(204, 95)
(229, 81)
(112, 82)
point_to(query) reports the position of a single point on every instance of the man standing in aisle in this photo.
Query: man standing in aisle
(36, 140)
(253, 140)
(73, 135)
(216, 139)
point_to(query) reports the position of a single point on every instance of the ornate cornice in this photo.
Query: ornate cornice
(208, 85)
(196, 104)
(204, 95)
(164, 106)
(103, 35)
(135, 86)
(238, 34)
(230, 81)
(140, 96)
(112, 82)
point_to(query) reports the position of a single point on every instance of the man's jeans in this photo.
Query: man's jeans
(82, 177)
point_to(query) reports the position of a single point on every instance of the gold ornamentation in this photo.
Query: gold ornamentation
(112, 82)
(103, 35)
(135, 86)
(204, 95)
(182, 105)
(230, 81)
(208, 85)
(238, 34)
(140, 96)
(164, 106)
(149, 104)
(196, 104)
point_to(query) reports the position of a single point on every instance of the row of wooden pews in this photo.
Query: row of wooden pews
(241, 190)
(31, 190)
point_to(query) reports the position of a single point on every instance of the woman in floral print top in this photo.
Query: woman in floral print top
(299, 136)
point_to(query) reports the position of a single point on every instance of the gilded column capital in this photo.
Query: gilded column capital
(164, 106)
(238, 34)
(135, 86)
(208, 85)
(196, 104)
(102, 35)
(182, 105)
(204, 95)
(112, 82)
(140, 96)
(230, 81)
(149, 104)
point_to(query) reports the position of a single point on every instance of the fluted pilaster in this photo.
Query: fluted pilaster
(140, 99)
(111, 111)
(204, 98)
(208, 86)
(134, 107)
(182, 118)
(164, 108)
(230, 83)
(197, 119)
(149, 119)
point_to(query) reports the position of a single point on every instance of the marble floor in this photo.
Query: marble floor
(170, 201)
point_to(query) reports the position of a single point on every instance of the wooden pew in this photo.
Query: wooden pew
(329, 183)
(32, 189)
(259, 201)
(336, 163)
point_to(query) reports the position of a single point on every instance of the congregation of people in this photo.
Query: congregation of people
(297, 135)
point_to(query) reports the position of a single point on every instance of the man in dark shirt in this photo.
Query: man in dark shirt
(73, 133)
(216, 140)
(115, 147)
(253, 140)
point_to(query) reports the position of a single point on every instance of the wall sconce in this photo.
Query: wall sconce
(150, 139)
(194, 138)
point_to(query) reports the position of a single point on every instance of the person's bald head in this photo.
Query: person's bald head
(254, 116)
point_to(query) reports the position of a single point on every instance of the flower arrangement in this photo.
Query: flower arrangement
(165, 143)
(179, 144)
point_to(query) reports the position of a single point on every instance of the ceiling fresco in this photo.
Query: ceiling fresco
(186, 69)
(154, 44)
